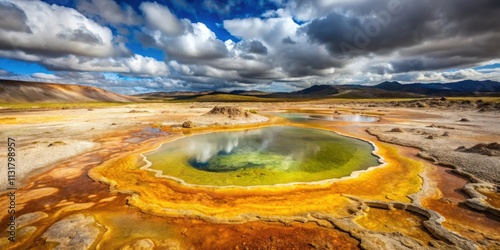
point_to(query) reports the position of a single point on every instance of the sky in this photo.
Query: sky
(135, 47)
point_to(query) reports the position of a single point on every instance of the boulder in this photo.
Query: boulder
(188, 124)
(492, 149)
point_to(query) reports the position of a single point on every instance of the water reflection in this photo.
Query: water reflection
(210, 145)
(275, 147)
(262, 156)
(345, 118)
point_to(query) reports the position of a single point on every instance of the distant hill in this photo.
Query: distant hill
(26, 92)
(380, 91)
(364, 92)
(318, 90)
(248, 92)
(467, 87)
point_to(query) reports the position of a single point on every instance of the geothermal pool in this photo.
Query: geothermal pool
(265, 156)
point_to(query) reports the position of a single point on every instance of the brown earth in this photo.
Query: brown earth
(32, 92)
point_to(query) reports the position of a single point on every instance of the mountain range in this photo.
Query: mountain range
(382, 90)
(455, 88)
(18, 92)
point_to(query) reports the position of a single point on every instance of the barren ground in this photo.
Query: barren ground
(428, 195)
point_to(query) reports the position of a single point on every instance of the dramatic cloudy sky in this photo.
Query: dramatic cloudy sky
(269, 45)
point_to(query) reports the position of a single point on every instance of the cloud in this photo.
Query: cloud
(4, 72)
(378, 32)
(367, 78)
(313, 9)
(136, 65)
(161, 18)
(146, 66)
(198, 56)
(198, 43)
(63, 39)
(271, 30)
(253, 47)
(428, 35)
(82, 35)
(221, 7)
(462, 74)
(296, 57)
(181, 40)
(12, 18)
(433, 76)
(58, 31)
(108, 11)
(19, 55)
(45, 76)
(288, 40)
(95, 78)
(217, 6)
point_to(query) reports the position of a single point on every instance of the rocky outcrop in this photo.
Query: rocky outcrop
(397, 130)
(439, 126)
(492, 149)
(230, 112)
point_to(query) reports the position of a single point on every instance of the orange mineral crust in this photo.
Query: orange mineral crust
(450, 204)
(127, 227)
(492, 198)
(259, 235)
(392, 181)
(396, 220)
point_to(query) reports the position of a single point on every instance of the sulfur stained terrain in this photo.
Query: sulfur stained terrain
(83, 183)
